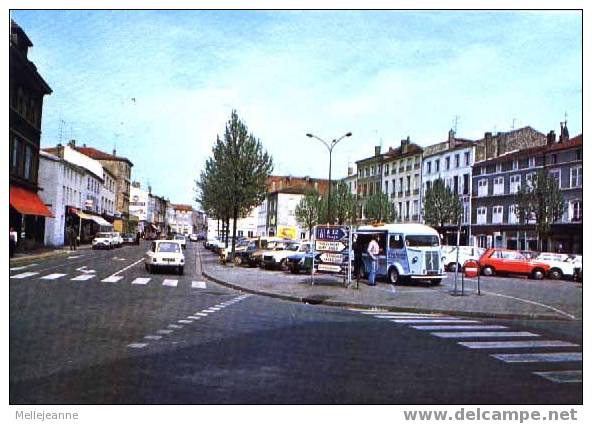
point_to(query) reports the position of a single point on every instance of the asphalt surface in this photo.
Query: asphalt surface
(87, 341)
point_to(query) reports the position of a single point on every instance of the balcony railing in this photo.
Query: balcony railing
(408, 193)
(416, 191)
(401, 169)
(409, 167)
(399, 193)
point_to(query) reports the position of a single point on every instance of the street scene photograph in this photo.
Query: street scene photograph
(296, 207)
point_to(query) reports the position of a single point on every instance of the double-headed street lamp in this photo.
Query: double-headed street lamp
(329, 147)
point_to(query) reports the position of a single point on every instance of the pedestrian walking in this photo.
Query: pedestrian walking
(138, 237)
(12, 238)
(373, 251)
(358, 250)
(72, 234)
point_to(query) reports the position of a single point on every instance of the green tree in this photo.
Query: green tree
(345, 205)
(540, 202)
(379, 208)
(307, 210)
(441, 205)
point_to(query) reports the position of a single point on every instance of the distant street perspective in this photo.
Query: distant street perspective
(295, 207)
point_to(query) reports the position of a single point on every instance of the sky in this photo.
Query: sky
(159, 86)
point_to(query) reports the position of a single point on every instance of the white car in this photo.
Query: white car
(181, 239)
(562, 266)
(103, 241)
(193, 237)
(465, 253)
(164, 254)
(279, 258)
(117, 239)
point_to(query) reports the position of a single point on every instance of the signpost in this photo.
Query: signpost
(333, 243)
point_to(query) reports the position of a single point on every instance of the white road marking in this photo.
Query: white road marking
(433, 321)
(17, 268)
(193, 318)
(215, 308)
(83, 269)
(170, 283)
(415, 317)
(458, 327)
(164, 331)
(184, 321)
(153, 337)
(52, 276)
(126, 268)
(137, 345)
(411, 314)
(540, 357)
(198, 285)
(477, 334)
(83, 277)
(118, 259)
(142, 281)
(174, 326)
(24, 275)
(74, 256)
(561, 376)
(532, 302)
(517, 344)
(201, 314)
(112, 279)
(209, 310)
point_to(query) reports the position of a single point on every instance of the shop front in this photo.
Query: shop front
(27, 217)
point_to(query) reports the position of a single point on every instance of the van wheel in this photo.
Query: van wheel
(393, 276)
(538, 274)
(555, 274)
(436, 281)
(488, 271)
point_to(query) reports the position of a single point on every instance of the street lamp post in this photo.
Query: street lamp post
(329, 147)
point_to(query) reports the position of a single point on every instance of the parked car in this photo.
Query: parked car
(192, 237)
(117, 239)
(560, 266)
(465, 253)
(103, 241)
(181, 239)
(165, 254)
(504, 261)
(278, 259)
(128, 238)
(240, 246)
(251, 256)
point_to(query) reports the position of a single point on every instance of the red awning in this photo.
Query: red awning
(27, 202)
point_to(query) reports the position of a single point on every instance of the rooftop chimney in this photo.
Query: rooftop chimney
(114, 152)
(72, 143)
(551, 138)
(564, 136)
(404, 145)
(451, 140)
(350, 170)
(376, 150)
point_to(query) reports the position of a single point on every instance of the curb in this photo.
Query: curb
(338, 303)
(55, 253)
(388, 308)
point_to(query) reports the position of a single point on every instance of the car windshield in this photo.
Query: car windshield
(422, 241)
(169, 247)
(103, 235)
(179, 238)
(293, 247)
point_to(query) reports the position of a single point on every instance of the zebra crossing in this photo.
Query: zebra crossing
(89, 276)
(468, 332)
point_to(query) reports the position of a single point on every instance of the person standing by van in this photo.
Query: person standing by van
(373, 252)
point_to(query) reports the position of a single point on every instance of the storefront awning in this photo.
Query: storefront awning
(28, 202)
(99, 220)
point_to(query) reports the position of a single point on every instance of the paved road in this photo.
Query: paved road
(88, 336)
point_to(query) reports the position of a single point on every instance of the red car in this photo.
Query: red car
(506, 261)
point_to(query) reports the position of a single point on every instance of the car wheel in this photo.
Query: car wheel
(393, 276)
(436, 281)
(238, 261)
(180, 270)
(294, 269)
(488, 271)
(555, 274)
(538, 274)
(284, 264)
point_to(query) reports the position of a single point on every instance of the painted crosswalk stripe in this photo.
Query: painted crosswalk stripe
(52, 276)
(215, 308)
(517, 344)
(193, 318)
(112, 279)
(414, 317)
(142, 281)
(24, 275)
(174, 326)
(479, 334)
(406, 314)
(18, 268)
(184, 321)
(74, 256)
(164, 331)
(201, 314)
(153, 337)
(433, 321)
(539, 357)
(458, 327)
(198, 284)
(137, 345)
(83, 277)
(170, 283)
(561, 376)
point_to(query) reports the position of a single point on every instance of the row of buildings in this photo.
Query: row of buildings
(484, 173)
(72, 186)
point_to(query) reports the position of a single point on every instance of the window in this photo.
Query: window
(437, 162)
(576, 176)
(553, 159)
(515, 164)
(467, 158)
(556, 173)
(28, 160)
(457, 160)
(530, 178)
(498, 185)
(395, 241)
(498, 167)
(579, 154)
(393, 185)
(429, 167)
(15, 152)
(576, 210)
(531, 162)
(498, 215)
(514, 183)
(466, 185)
(512, 217)
(482, 188)
(386, 183)
(481, 215)
(447, 162)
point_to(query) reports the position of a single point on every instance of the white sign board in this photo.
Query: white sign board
(331, 246)
(332, 258)
(331, 268)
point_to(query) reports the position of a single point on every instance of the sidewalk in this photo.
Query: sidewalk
(406, 298)
(43, 253)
